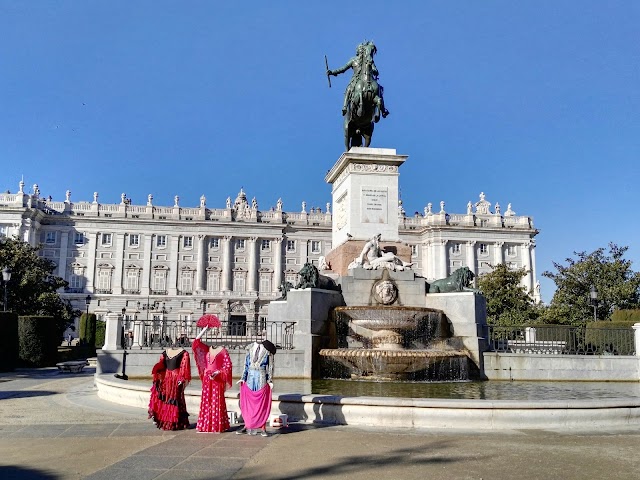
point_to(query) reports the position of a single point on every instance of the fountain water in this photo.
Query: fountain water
(394, 342)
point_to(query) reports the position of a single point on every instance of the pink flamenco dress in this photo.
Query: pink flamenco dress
(167, 406)
(213, 408)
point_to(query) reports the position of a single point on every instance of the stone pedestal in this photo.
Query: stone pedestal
(340, 257)
(467, 312)
(310, 308)
(365, 194)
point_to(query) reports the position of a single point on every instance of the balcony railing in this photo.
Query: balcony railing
(233, 335)
(103, 291)
(561, 340)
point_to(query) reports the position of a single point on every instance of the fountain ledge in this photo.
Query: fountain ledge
(416, 413)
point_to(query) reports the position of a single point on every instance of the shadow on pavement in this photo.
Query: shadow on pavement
(11, 472)
(25, 394)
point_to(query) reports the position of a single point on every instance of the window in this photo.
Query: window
(240, 244)
(134, 240)
(213, 282)
(132, 280)
(78, 238)
(104, 279)
(106, 239)
(455, 248)
(161, 242)
(414, 249)
(266, 245)
(291, 245)
(187, 242)
(238, 284)
(511, 250)
(483, 248)
(265, 284)
(76, 281)
(50, 237)
(186, 281)
(484, 222)
(214, 243)
(3, 230)
(315, 246)
(292, 278)
(159, 280)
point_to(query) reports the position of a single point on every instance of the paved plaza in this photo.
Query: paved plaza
(53, 426)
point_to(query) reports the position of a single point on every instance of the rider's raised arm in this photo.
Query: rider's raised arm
(343, 69)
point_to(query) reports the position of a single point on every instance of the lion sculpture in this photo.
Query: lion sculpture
(310, 278)
(458, 281)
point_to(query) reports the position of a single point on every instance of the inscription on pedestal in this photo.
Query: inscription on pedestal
(374, 205)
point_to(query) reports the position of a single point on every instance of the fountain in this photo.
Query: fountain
(393, 342)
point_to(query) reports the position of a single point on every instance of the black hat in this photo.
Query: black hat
(269, 346)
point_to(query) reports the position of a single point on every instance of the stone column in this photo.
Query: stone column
(146, 269)
(277, 263)
(91, 261)
(201, 265)
(498, 254)
(62, 259)
(112, 331)
(526, 258)
(226, 264)
(174, 256)
(471, 256)
(636, 333)
(117, 279)
(252, 277)
(442, 258)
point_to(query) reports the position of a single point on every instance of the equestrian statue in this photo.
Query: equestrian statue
(363, 99)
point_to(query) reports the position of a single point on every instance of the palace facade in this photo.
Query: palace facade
(176, 262)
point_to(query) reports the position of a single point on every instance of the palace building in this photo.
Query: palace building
(176, 262)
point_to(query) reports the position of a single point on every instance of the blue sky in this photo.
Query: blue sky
(535, 103)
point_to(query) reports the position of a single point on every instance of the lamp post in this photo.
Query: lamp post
(593, 296)
(6, 276)
(155, 306)
(87, 302)
(123, 340)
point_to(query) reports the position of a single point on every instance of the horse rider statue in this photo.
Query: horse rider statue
(363, 98)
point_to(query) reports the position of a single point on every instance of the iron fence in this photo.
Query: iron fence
(162, 333)
(560, 339)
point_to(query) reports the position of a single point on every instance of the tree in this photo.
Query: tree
(33, 286)
(508, 302)
(615, 282)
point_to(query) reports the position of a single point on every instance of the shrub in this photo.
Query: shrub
(88, 329)
(100, 333)
(38, 341)
(611, 337)
(9, 341)
(631, 316)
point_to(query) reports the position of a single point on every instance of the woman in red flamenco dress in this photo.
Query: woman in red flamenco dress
(215, 370)
(171, 375)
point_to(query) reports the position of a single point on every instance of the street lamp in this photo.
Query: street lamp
(593, 295)
(6, 276)
(87, 302)
(123, 340)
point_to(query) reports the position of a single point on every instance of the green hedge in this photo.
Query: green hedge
(88, 329)
(100, 333)
(611, 337)
(631, 316)
(38, 340)
(9, 341)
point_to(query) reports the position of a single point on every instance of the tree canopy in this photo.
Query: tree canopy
(508, 302)
(616, 284)
(33, 287)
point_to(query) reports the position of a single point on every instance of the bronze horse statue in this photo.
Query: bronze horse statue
(364, 101)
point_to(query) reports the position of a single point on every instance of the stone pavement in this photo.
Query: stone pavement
(53, 426)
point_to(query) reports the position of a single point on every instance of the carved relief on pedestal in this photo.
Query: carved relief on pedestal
(340, 211)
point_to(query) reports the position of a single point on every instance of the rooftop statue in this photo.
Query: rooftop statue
(363, 99)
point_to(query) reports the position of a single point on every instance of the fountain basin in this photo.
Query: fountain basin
(376, 364)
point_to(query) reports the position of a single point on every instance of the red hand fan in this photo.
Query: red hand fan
(208, 320)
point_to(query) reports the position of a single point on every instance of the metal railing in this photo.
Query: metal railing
(561, 340)
(147, 334)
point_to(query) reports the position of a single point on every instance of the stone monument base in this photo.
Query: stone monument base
(340, 257)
